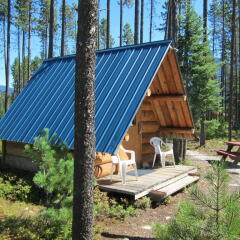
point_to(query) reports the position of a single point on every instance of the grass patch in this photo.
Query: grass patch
(18, 209)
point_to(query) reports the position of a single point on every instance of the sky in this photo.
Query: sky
(128, 17)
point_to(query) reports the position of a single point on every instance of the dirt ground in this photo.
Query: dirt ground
(140, 227)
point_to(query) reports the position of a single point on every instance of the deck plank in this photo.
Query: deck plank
(148, 180)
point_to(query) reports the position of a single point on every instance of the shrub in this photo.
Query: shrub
(216, 128)
(212, 214)
(14, 188)
(143, 203)
(55, 163)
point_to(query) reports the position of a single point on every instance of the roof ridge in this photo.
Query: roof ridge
(70, 56)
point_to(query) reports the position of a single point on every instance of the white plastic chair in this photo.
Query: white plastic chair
(124, 163)
(157, 143)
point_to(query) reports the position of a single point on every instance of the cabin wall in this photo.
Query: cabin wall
(17, 158)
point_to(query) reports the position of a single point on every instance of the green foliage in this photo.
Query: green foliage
(216, 128)
(14, 188)
(128, 38)
(45, 226)
(55, 167)
(103, 35)
(143, 203)
(197, 64)
(212, 214)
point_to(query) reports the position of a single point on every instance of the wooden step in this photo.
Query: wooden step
(174, 187)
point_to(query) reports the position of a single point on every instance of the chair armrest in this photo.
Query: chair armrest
(132, 153)
(170, 145)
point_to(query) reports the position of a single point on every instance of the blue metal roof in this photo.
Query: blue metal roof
(123, 76)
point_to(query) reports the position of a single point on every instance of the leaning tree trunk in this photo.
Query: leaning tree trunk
(51, 30)
(136, 23)
(63, 27)
(84, 119)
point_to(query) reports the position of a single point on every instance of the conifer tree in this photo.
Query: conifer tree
(197, 65)
(128, 38)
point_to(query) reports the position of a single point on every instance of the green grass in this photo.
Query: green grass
(18, 209)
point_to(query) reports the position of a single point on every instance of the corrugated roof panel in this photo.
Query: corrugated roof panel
(122, 78)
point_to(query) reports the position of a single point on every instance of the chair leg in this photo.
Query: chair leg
(173, 160)
(123, 171)
(112, 173)
(135, 169)
(163, 160)
(154, 159)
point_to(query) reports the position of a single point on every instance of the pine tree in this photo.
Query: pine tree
(103, 35)
(211, 214)
(128, 38)
(197, 65)
(84, 119)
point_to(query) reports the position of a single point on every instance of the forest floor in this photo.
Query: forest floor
(140, 226)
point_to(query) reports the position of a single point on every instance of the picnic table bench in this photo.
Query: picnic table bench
(235, 155)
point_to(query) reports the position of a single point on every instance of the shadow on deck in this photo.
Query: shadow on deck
(160, 182)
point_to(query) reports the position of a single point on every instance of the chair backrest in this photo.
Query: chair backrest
(156, 142)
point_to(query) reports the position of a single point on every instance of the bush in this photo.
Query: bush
(143, 203)
(14, 188)
(41, 227)
(216, 128)
(213, 214)
(55, 175)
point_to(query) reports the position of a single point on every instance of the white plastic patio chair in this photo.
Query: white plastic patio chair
(124, 163)
(157, 143)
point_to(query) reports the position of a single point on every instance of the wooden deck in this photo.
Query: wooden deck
(150, 181)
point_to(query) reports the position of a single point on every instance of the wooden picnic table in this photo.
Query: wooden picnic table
(235, 155)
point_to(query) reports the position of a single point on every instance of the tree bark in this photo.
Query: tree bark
(63, 27)
(108, 24)
(51, 30)
(136, 23)
(151, 21)
(23, 59)
(7, 72)
(29, 37)
(233, 28)
(202, 132)
(19, 64)
(121, 22)
(142, 21)
(205, 18)
(84, 118)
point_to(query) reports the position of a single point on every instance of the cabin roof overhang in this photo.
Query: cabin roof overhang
(123, 76)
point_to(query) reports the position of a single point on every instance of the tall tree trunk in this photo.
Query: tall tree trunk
(202, 121)
(108, 24)
(142, 21)
(233, 30)
(7, 72)
(136, 23)
(63, 27)
(151, 21)
(223, 57)
(19, 64)
(98, 30)
(84, 118)
(51, 30)
(121, 22)
(29, 37)
(205, 18)
(23, 59)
